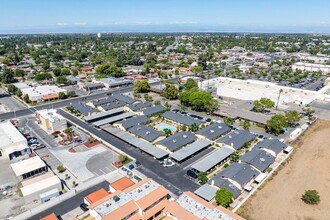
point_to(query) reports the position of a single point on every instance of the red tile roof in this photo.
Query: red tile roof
(96, 196)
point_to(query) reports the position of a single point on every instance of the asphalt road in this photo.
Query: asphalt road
(60, 104)
(70, 204)
(173, 178)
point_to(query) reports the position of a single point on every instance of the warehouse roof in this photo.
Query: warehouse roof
(139, 105)
(272, 144)
(114, 119)
(224, 183)
(128, 123)
(186, 120)
(27, 165)
(97, 116)
(146, 132)
(191, 149)
(206, 192)
(9, 135)
(237, 138)
(214, 131)
(258, 158)
(41, 185)
(177, 140)
(153, 110)
(240, 172)
(213, 159)
(137, 142)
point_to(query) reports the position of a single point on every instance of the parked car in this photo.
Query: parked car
(84, 207)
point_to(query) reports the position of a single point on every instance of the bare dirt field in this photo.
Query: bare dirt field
(309, 168)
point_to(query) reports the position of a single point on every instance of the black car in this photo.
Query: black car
(84, 207)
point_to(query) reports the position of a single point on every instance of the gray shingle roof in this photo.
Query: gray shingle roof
(191, 149)
(153, 110)
(240, 172)
(224, 183)
(124, 98)
(112, 105)
(139, 105)
(146, 132)
(114, 119)
(177, 140)
(237, 138)
(186, 120)
(128, 123)
(83, 109)
(213, 159)
(137, 142)
(102, 101)
(272, 144)
(258, 158)
(214, 131)
(102, 115)
(206, 192)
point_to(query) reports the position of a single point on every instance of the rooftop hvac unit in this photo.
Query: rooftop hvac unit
(212, 131)
(184, 136)
(219, 127)
(116, 198)
(148, 132)
(107, 204)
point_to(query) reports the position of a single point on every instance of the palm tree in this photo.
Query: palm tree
(278, 99)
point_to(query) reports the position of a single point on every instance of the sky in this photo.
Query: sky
(33, 16)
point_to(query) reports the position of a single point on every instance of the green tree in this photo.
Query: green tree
(141, 86)
(157, 102)
(61, 80)
(6, 60)
(234, 157)
(228, 121)
(170, 92)
(293, 117)
(19, 73)
(167, 106)
(71, 93)
(7, 76)
(190, 84)
(245, 125)
(311, 197)
(65, 71)
(19, 93)
(308, 112)
(194, 127)
(43, 76)
(167, 132)
(276, 124)
(202, 177)
(57, 72)
(11, 89)
(262, 104)
(223, 197)
(62, 95)
(27, 99)
(60, 168)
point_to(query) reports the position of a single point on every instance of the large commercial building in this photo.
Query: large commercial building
(312, 67)
(43, 187)
(50, 121)
(143, 200)
(13, 144)
(30, 167)
(42, 93)
(254, 90)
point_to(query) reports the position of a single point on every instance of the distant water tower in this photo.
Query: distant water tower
(99, 35)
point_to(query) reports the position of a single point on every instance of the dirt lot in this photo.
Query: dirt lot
(308, 169)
